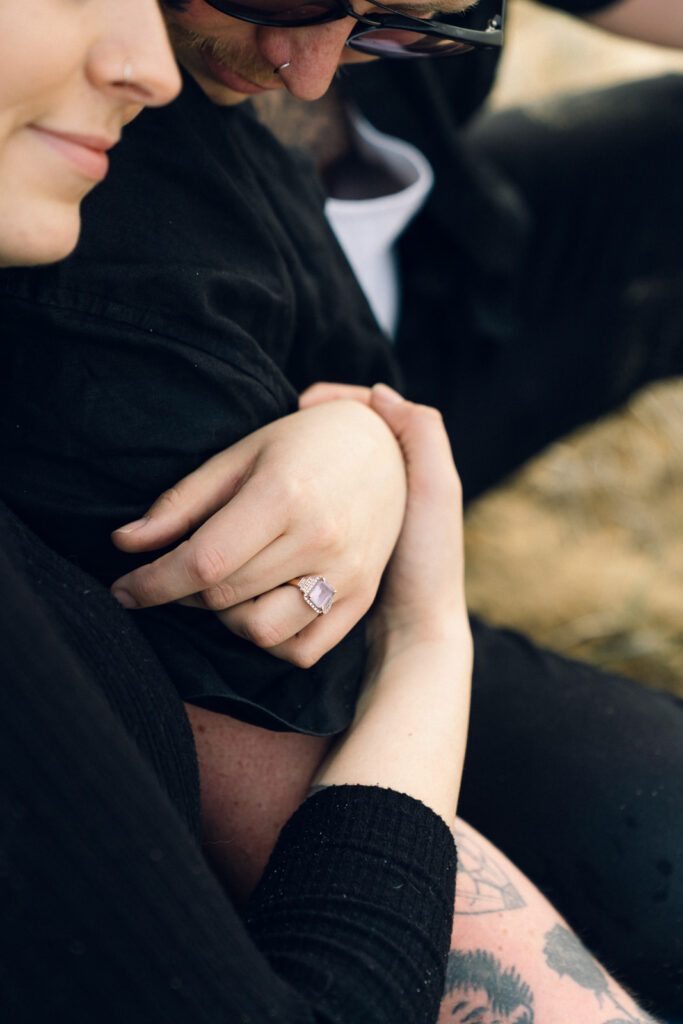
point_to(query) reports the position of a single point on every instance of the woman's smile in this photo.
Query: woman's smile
(86, 153)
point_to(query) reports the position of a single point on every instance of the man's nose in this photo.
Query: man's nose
(313, 53)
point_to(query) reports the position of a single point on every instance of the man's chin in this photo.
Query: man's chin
(217, 92)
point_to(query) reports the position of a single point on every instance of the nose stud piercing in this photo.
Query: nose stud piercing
(287, 64)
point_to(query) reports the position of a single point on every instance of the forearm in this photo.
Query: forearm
(408, 735)
(410, 729)
(654, 21)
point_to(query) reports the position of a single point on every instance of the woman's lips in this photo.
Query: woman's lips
(87, 153)
(230, 78)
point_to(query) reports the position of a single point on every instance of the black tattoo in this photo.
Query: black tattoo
(481, 886)
(479, 991)
(564, 954)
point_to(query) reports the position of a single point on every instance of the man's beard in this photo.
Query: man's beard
(237, 57)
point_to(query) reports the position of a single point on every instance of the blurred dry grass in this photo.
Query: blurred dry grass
(583, 549)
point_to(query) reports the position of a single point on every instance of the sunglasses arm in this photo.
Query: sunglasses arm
(492, 36)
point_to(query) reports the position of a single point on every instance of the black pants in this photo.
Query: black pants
(575, 774)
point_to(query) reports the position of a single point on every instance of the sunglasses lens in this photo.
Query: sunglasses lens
(390, 42)
(280, 12)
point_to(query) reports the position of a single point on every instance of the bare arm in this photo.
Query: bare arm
(513, 959)
(652, 21)
(411, 721)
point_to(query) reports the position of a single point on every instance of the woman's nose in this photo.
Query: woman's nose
(133, 57)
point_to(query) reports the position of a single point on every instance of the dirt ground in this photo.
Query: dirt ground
(583, 549)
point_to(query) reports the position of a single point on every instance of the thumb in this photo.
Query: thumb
(420, 431)
(323, 391)
(189, 502)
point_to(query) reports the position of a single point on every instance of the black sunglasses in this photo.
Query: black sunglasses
(382, 35)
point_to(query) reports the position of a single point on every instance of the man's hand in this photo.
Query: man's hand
(319, 492)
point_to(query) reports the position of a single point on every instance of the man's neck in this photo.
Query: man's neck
(321, 127)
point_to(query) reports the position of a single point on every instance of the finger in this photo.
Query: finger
(269, 568)
(305, 645)
(420, 431)
(192, 601)
(271, 618)
(229, 539)
(192, 500)
(326, 392)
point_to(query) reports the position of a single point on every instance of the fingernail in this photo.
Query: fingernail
(135, 525)
(387, 394)
(124, 598)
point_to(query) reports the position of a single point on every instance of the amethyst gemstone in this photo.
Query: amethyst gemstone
(321, 595)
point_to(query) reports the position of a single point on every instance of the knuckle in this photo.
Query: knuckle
(207, 567)
(262, 632)
(219, 597)
(169, 499)
(305, 654)
(172, 503)
(287, 493)
(327, 532)
(144, 587)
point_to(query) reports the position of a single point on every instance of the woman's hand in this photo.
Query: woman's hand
(320, 492)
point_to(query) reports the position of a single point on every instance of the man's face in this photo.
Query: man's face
(232, 60)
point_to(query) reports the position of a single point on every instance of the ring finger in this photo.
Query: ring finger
(271, 618)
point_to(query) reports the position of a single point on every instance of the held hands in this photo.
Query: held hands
(319, 492)
(423, 594)
(410, 728)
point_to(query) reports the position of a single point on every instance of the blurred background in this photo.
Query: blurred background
(583, 549)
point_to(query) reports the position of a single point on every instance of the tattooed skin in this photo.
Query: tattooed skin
(479, 991)
(641, 1020)
(564, 954)
(481, 887)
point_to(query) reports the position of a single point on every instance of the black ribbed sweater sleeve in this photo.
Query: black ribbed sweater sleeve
(351, 907)
(109, 911)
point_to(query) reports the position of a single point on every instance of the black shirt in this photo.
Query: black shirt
(207, 290)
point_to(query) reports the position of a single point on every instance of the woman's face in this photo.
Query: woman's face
(72, 73)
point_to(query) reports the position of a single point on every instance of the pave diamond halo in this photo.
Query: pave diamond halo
(317, 593)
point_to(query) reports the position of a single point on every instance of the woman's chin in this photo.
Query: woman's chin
(38, 240)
